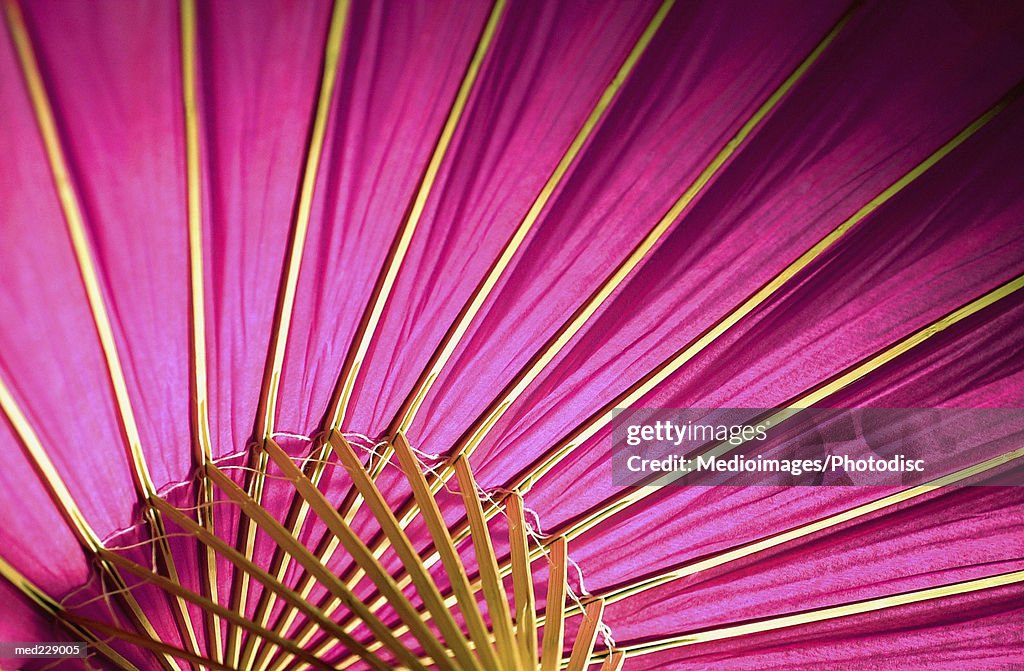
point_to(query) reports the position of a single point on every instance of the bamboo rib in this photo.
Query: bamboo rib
(448, 555)
(301, 554)
(554, 629)
(266, 409)
(808, 399)
(522, 581)
(107, 560)
(132, 638)
(50, 607)
(421, 579)
(483, 290)
(202, 450)
(403, 237)
(646, 384)
(444, 350)
(614, 661)
(360, 554)
(472, 438)
(819, 615)
(583, 647)
(366, 328)
(71, 208)
(494, 590)
(482, 426)
(627, 590)
(60, 495)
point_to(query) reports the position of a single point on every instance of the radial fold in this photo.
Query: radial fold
(75, 223)
(267, 406)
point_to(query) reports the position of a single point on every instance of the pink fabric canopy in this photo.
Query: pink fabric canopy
(767, 199)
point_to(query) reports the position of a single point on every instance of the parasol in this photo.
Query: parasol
(317, 315)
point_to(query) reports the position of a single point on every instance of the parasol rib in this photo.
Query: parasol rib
(359, 553)
(450, 342)
(621, 592)
(449, 556)
(410, 559)
(614, 661)
(522, 581)
(494, 590)
(583, 647)
(403, 237)
(212, 541)
(565, 447)
(817, 394)
(175, 588)
(71, 208)
(554, 629)
(202, 449)
(472, 438)
(266, 409)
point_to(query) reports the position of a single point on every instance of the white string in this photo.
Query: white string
(534, 534)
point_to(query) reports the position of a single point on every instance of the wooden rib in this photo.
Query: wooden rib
(407, 412)
(212, 541)
(304, 557)
(473, 437)
(171, 587)
(359, 553)
(51, 608)
(267, 406)
(449, 555)
(68, 508)
(202, 450)
(583, 647)
(614, 661)
(400, 245)
(554, 627)
(300, 225)
(821, 614)
(481, 640)
(494, 590)
(421, 579)
(72, 212)
(522, 581)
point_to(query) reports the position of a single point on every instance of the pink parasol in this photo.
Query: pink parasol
(316, 316)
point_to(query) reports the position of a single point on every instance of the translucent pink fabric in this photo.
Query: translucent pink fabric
(898, 81)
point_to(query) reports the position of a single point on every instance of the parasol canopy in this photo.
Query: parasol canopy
(316, 318)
